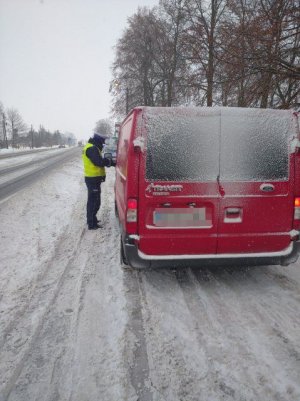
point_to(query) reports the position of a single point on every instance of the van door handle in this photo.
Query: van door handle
(233, 210)
(233, 215)
(167, 204)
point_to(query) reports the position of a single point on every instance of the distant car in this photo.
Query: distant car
(61, 146)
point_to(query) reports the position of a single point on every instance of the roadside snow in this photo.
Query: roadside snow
(47, 259)
(34, 219)
(31, 156)
(14, 150)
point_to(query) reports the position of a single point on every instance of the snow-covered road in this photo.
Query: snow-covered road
(20, 171)
(74, 326)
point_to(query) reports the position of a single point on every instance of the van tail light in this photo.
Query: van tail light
(131, 216)
(297, 209)
(297, 213)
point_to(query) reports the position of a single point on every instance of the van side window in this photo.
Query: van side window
(182, 147)
(123, 146)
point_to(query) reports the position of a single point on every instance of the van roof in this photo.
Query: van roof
(217, 110)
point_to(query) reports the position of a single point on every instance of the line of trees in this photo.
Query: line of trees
(16, 134)
(241, 53)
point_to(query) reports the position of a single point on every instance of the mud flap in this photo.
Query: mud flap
(292, 257)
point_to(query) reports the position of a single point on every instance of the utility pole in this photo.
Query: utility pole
(12, 134)
(4, 130)
(31, 132)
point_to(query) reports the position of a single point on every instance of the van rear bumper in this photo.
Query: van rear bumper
(139, 260)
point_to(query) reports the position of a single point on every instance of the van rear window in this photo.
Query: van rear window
(201, 144)
(181, 146)
(255, 144)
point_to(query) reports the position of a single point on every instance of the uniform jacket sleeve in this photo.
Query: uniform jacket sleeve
(94, 155)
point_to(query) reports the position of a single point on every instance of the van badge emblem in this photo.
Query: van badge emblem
(163, 188)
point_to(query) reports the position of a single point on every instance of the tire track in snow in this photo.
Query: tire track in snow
(22, 334)
(45, 278)
(59, 338)
(99, 371)
(25, 263)
(240, 301)
(135, 352)
(209, 319)
(135, 358)
(271, 310)
(261, 293)
(174, 369)
(49, 367)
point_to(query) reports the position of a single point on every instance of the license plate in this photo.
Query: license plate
(181, 218)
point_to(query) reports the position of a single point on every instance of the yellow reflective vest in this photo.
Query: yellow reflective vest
(90, 170)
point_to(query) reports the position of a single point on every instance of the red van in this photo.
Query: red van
(201, 186)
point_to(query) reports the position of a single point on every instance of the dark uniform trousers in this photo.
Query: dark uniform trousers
(94, 198)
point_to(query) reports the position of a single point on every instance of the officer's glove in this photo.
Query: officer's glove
(107, 162)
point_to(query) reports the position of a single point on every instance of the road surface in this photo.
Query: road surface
(22, 168)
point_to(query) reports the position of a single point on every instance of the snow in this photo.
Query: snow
(32, 155)
(139, 143)
(10, 167)
(23, 149)
(5, 151)
(74, 326)
(176, 139)
(259, 140)
(41, 229)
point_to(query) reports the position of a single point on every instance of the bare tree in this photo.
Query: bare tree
(170, 57)
(242, 53)
(236, 77)
(204, 25)
(260, 53)
(16, 125)
(3, 137)
(136, 74)
(150, 67)
(103, 127)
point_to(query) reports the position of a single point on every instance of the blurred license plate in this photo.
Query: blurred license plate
(179, 217)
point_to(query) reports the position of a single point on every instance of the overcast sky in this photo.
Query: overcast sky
(55, 59)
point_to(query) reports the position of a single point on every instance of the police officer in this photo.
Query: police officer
(94, 173)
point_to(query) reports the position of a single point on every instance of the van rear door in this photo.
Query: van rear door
(257, 181)
(178, 189)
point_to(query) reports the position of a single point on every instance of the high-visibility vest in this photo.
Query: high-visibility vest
(90, 170)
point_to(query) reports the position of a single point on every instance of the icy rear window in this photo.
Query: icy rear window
(182, 145)
(255, 144)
